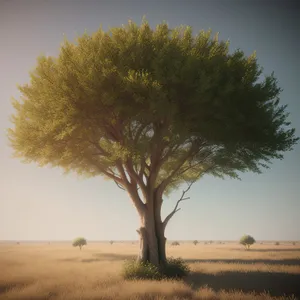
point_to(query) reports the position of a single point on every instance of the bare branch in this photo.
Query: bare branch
(119, 186)
(175, 210)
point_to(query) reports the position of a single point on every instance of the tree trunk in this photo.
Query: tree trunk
(152, 239)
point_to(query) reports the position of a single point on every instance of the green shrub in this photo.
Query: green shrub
(137, 270)
(195, 242)
(175, 268)
(175, 243)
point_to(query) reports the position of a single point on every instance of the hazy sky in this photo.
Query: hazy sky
(41, 203)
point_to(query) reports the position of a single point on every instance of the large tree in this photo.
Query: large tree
(150, 109)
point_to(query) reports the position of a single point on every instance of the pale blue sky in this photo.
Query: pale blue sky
(40, 203)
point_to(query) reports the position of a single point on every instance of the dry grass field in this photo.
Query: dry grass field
(59, 271)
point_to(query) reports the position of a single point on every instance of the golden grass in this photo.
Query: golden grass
(59, 271)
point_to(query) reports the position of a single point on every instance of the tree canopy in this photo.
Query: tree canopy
(247, 241)
(79, 242)
(162, 103)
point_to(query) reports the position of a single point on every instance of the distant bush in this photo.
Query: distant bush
(247, 241)
(111, 242)
(294, 243)
(277, 244)
(175, 268)
(210, 242)
(195, 242)
(175, 243)
(79, 242)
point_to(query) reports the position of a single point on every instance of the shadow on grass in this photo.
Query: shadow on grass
(108, 257)
(277, 284)
(268, 249)
(99, 257)
(118, 257)
(73, 259)
(289, 262)
(6, 286)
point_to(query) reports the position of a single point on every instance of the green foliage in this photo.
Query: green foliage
(175, 268)
(175, 243)
(112, 97)
(247, 241)
(138, 270)
(79, 242)
(195, 242)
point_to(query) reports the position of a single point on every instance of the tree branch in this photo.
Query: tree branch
(133, 175)
(139, 132)
(167, 180)
(175, 210)
(195, 165)
(119, 186)
(99, 148)
(131, 189)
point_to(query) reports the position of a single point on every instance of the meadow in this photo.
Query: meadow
(219, 271)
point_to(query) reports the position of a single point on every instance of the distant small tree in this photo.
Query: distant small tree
(111, 242)
(294, 243)
(175, 243)
(79, 242)
(195, 242)
(277, 244)
(247, 241)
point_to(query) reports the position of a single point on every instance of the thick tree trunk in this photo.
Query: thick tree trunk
(152, 239)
